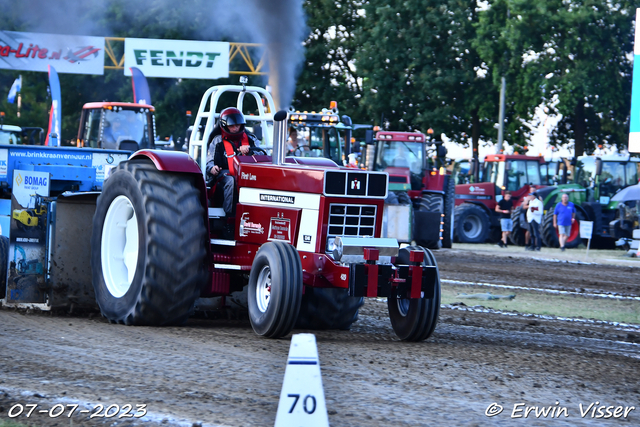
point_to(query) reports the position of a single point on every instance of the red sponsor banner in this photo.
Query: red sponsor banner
(36, 51)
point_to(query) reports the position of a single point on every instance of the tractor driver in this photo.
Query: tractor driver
(232, 140)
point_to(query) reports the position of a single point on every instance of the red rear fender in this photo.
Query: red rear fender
(169, 161)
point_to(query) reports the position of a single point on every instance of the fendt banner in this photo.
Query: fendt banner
(36, 51)
(185, 59)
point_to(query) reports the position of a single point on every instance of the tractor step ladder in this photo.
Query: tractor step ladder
(216, 213)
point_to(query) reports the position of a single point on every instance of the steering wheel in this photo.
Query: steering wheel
(252, 150)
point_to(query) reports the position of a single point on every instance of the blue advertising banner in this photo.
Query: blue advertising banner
(634, 128)
(141, 94)
(27, 243)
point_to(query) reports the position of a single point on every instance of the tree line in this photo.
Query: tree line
(407, 65)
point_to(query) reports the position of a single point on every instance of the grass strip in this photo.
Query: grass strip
(624, 311)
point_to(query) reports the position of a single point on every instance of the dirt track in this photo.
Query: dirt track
(218, 372)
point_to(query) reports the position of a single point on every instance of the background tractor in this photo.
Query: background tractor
(475, 217)
(591, 182)
(421, 190)
(18, 135)
(324, 134)
(117, 126)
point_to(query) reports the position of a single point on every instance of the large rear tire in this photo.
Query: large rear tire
(415, 319)
(149, 245)
(275, 289)
(328, 308)
(471, 223)
(431, 203)
(517, 236)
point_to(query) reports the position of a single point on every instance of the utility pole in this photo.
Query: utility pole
(503, 89)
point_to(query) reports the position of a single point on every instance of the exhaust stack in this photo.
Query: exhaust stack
(279, 137)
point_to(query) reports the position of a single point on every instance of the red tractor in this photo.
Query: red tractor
(117, 126)
(306, 246)
(420, 206)
(475, 217)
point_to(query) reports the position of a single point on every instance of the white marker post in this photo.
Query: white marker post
(302, 397)
(586, 231)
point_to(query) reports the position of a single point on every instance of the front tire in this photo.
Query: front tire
(415, 319)
(149, 256)
(275, 289)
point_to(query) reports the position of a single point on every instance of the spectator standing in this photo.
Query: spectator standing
(564, 215)
(524, 207)
(534, 218)
(504, 208)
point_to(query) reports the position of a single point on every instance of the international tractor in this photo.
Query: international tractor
(306, 241)
(475, 217)
(419, 208)
(116, 126)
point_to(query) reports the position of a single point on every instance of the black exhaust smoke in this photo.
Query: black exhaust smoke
(284, 30)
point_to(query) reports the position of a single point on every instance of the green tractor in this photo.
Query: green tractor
(590, 182)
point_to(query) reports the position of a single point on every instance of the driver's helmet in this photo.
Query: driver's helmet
(231, 116)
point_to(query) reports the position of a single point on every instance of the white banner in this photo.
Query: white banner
(35, 51)
(186, 59)
(586, 229)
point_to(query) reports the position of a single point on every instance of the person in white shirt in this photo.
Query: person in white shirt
(534, 218)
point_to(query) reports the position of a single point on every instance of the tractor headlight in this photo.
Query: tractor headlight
(331, 245)
(334, 248)
(337, 249)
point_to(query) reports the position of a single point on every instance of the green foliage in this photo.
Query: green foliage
(421, 70)
(572, 57)
(329, 73)
(34, 110)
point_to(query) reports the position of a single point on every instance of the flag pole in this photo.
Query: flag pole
(19, 95)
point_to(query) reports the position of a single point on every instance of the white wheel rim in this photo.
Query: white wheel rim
(403, 306)
(263, 289)
(119, 246)
(472, 226)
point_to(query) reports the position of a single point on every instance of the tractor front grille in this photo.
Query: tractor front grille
(351, 220)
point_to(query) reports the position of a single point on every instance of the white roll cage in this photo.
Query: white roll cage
(207, 113)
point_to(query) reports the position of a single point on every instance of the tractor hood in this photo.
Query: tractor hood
(311, 179)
